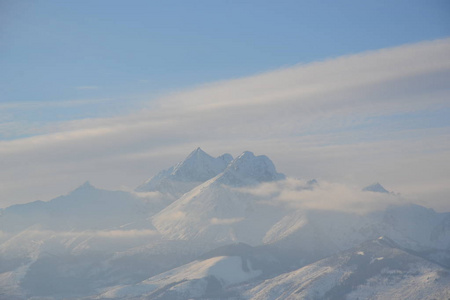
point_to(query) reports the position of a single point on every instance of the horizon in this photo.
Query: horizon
(370, 199)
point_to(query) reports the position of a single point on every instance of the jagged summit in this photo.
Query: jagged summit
(376, 187)
(196, 168)
(248, 168)
(199, 167)
(197, 154)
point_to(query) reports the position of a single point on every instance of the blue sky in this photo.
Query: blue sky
(114, 91)
(69, 50)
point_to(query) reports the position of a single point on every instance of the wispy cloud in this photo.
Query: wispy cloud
(23, 105)
(337, 119)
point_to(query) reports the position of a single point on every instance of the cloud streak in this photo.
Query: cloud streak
(349, 118)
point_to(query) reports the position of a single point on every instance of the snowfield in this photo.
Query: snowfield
(191, 280)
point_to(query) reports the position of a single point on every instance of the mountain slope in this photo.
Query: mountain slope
(377, 269)
(201, 278)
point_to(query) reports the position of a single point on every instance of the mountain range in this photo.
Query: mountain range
(221, 228)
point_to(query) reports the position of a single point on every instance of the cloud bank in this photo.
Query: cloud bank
(375, 116)
(298, 194)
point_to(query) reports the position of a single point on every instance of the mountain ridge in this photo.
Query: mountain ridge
(209, 234)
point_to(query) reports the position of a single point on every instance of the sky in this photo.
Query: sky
(112, 92)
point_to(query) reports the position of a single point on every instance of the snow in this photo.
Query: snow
(197, 168)
(401, 276)
(419, 283)
(375, 259)
(227, 270)
(248, 169)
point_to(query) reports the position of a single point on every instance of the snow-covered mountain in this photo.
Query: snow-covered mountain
(377, 269)
(217, 211)
(197, 168)
(322, 232)
(222, 227)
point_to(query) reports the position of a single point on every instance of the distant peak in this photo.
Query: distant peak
(376, 187)
(197, 153)
(85, 186)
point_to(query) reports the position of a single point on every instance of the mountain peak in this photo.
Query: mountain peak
(196, 168)
(248, 167)
(376, 187)
(198, 152)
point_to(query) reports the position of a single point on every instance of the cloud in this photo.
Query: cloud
(352, 118)
(297, 194)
